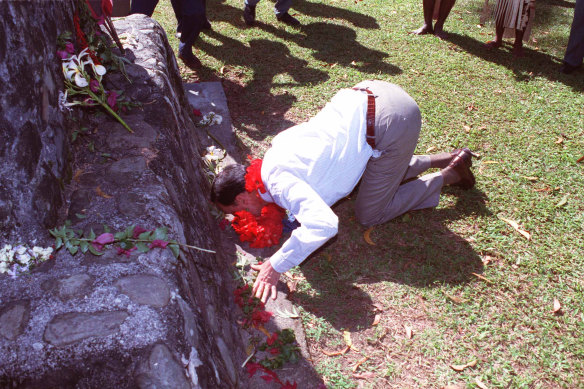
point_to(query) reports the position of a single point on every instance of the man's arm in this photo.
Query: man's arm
(318, 225)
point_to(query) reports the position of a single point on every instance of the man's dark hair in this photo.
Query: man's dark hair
(228, 184)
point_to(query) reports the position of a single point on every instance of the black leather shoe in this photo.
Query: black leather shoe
(465, 150)
(191, 61)
(567, 68)
(461, 165)
(288, 19)
(249, 15)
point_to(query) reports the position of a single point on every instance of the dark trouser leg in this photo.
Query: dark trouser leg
(575, 49)
(192, 20)
(176, 7)
(145, 7)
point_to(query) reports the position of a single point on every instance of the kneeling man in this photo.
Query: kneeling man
(367, 133)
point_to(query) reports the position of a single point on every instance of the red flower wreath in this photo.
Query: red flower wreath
(266, 230)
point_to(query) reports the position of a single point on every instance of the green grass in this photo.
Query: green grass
(525, 119)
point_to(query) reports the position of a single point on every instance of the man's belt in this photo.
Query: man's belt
(370, 116)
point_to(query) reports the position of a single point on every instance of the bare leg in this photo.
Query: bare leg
(445, 7)
(428, 12)
(498, 42)
(518, 45)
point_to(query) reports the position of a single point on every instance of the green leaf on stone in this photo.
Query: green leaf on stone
(84, 246)
(142, 247)
(67, 223)
(92, 235)
(120, 235)
(73, 249)
(80, 215)
(106, 228)
(130, 231)
(58, 243)
(93, 250)
(145, 235)
(160, 233)
(175, 249)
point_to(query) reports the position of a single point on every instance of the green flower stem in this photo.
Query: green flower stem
(149, 241)
(108, 108)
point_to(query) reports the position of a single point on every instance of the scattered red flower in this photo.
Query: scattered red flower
(253, 177)
(223, 223)
(263, 232)
(259, 317)
(274, 351)
(270, 341)
(252, 368)
(196, 112)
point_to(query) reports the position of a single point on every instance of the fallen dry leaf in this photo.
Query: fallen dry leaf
(264, 331)
(490, 162)
(455, 299)
(531, 178)
(292, 286)
(466, 128)
(364, 376)
(378, 307)
(515, 225)
(580, 159)
(557, 306)
(359, 363)
(560, 140)
(408, 331)
(431, 149)
(367, 236)
(102, 193)
(482, 278)
(335, 353)
(77, 174)
(562, 202)
(480, 384)
(249, 349)
(462, 367)
(222, 70)
(348, 341)
(455, 386)
(376, 320)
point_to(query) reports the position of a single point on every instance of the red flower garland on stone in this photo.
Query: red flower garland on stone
(266, 230)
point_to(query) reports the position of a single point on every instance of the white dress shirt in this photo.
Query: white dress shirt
(313, 165)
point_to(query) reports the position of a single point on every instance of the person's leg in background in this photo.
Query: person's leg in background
(192, 21)
(575, 50)
(145, 7)
(281, 10)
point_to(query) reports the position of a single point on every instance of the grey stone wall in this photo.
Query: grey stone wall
(147, 320)
(32, 137)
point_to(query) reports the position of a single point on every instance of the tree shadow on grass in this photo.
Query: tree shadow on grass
(322, 10)
(534, 64)
(337, 45)
(418, 250)
(254, 106)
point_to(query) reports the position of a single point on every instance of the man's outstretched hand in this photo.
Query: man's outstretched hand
(266, 282)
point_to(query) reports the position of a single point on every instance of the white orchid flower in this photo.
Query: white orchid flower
(99, 70)
(80, 80)
(214, 153)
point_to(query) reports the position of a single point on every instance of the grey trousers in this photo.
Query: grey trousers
(382, 196)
